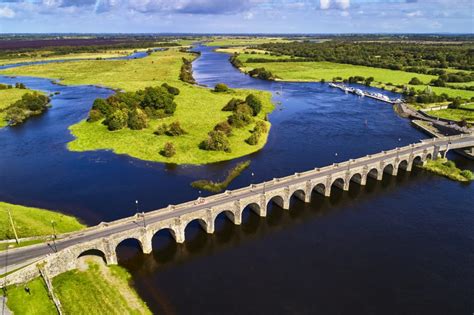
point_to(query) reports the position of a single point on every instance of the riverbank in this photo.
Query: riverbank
(198, 109)
(96, 289)
(30, 222)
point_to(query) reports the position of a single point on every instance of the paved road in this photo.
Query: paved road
(16, 257)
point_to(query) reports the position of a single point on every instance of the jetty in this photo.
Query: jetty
(377, 96)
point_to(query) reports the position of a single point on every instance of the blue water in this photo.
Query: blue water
(403, 245)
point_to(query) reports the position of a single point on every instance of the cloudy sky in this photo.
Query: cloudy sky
(237, 16)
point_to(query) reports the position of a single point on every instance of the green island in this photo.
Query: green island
(18, 103)
(448, 169)
(198, 109)
(33, 222)
(79, 292)
(216, 187)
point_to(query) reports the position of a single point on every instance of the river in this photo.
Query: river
(402, 245)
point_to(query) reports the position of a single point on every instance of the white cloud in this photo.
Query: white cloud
(334, 4)
(417, 13)
(6, 12)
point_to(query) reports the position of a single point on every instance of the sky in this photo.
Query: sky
(236, 16)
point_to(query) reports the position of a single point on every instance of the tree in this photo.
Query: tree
(254, 103)
(168, 150)
(221, 87)
(368, 81)
(415, 81)
(117, 120)
(456, 103)
(103, 106)
(137, 119)
(217, 141)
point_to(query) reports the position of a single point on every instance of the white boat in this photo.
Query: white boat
(359, 92)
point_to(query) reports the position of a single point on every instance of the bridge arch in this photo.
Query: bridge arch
(202, 223)
(339, 183)
(357, 178)
(93, 252)
(403, 165)
(255, 207)
(418, 160)
(301, 195)
(388, 169)
(320, 188)
(167, 231)
(127, 242)
(429, 157)
(279, 201)
(229, 214)
(374, 173)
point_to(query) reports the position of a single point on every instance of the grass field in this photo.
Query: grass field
(35, 303)
(198, 110)
(243, 41)
(98, 290)
(34, 222)
(454, 114)
(8, 97)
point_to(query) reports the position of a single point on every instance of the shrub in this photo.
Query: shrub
(221, 87)
(161, 130)
(449, 164)
(217, 141)
(415, 81)
(232, 104)
(467, 174)
(254, 103)
(117, 120)
(137, 119)
(244, 109)
(455, 104)
(95, 115)
(225, 127)
(168, 150)
(261, 127)
(174, 129)
(171, 89)
(239, 120)
(253, 139)
(19, 85)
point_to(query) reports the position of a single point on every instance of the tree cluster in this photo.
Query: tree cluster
(262, 73)
(259, 129)
(173, 130)
(134, 109)
(186, 73)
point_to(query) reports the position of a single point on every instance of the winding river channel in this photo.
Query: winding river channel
(404, 245)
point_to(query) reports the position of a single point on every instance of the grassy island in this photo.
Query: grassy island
(448, 169)
(80, 293)
(220, 186)
(9, 96)
(34, 221)
(198, 109)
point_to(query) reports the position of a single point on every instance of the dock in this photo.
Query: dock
(361, 93)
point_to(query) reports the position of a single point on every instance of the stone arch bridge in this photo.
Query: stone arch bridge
(103, 239)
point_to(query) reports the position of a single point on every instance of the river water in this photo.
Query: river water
(404, 245)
